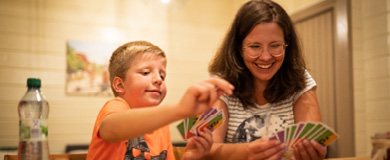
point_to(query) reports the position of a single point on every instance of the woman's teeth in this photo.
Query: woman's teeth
(264, 66)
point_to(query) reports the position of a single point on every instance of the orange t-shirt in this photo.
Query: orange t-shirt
(156, 145)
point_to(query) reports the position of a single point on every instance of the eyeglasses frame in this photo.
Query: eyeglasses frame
(262, 51)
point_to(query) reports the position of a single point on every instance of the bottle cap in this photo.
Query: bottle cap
(33, 82)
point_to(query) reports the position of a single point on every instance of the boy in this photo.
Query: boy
(130, 126)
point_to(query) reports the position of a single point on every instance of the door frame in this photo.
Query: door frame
(344, 110)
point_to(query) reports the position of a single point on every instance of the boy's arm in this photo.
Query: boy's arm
(135, 122)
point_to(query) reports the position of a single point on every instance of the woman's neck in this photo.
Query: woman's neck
(259, 92)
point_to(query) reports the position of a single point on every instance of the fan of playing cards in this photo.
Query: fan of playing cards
(211, 119)
(306, 130)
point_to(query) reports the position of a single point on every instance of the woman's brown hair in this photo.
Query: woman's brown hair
(228, 62)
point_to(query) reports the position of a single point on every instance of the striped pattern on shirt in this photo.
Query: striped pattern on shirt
(261, 120)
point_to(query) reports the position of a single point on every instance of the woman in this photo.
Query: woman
(261, 57)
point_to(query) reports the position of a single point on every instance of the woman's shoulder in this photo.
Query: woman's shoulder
(232, 102)
(310, 82)
(229, 99)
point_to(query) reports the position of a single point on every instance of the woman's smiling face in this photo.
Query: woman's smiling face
(263, 35)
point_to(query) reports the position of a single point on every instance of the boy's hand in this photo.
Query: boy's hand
(198, 146)
(202, 95)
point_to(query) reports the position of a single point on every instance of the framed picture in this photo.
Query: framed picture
(87, 68)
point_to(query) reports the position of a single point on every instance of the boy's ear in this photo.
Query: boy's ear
(118, 85)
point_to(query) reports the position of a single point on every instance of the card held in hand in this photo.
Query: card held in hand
(211, 119)
(297, 133)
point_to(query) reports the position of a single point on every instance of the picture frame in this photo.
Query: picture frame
(87, 68)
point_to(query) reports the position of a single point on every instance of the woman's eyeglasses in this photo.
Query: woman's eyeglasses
(275, 49)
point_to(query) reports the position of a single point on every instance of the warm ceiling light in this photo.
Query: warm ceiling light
(165, 1)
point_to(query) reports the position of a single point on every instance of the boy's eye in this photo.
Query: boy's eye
(145, 73)
(163, 75)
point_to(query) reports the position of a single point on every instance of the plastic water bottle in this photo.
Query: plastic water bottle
(33, 114)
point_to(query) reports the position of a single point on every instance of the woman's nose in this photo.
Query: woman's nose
(265, 55)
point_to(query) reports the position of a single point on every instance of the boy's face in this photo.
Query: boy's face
(144, 84)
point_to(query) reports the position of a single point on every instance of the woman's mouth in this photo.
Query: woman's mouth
(264, 66)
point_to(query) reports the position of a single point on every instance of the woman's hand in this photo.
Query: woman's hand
(264, 149)
(198, 146)
(309, 150)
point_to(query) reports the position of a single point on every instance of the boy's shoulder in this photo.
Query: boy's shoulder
(117, 99)
(115, 105)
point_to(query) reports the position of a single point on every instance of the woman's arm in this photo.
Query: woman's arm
(258, 149)
(306, 108)
(221, 150)
(220, 132)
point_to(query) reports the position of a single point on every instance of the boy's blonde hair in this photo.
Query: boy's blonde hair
(123, 56)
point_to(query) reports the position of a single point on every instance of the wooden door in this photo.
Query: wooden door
(323, 30)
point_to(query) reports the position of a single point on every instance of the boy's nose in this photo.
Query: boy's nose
(157, 80)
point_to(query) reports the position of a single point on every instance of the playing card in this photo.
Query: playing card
(272, 138)
(298, 130)
(280, 136)
(286, 135)
(209, 113)
(291, 134)
(294, 134)
(192, 121)
(302, 135)
(181, 129)
(313, 132)
(326, 137)
(211, 119)
(212, 123)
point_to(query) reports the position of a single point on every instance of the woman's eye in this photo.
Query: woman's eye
(255, 47)
(162, 77)
(275, 45)
(145, 73)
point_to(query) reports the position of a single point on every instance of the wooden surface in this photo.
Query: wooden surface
(351, 158)
(178, 151)
(54, 157)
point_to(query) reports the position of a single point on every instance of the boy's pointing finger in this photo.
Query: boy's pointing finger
(221, 85)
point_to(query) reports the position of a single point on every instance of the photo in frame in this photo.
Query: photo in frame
(87, 68)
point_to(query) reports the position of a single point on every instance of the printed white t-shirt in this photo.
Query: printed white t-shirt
(250, 124)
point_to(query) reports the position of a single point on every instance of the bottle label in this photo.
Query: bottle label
(33, 129)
